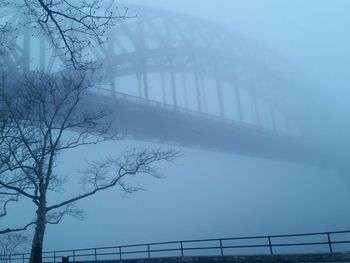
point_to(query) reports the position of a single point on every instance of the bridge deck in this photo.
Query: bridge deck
(147, 120)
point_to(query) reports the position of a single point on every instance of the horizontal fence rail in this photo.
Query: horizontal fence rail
(321, 242)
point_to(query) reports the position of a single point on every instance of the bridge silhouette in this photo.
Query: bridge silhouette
(171, 78)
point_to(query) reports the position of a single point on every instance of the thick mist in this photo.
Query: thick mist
(211, 194)
(208, 193)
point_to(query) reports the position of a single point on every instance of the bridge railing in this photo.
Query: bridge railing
(176, 108)
(322, 242)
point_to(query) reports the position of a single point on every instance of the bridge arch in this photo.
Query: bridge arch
(182, 61)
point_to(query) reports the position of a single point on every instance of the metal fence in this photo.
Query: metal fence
(322, 242)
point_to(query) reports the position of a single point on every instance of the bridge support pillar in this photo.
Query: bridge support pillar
(184, 85)
(198, 92)
(113, 87)
(26, 49)
(145, 80)
(162, 83)
(139, 84)
(255, 104)
(42, 49)
(238, 101)
(271, 111)
(220, 101)
(111, 76)
(173, 85)
(204, 95)
(197, 84)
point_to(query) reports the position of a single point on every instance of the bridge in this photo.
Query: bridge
(175, 79)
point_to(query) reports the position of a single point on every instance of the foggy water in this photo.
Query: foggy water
(205, 195)
(209, 195)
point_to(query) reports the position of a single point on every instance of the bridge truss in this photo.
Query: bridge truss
(167, 72)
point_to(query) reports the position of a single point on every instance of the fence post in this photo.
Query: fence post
(329, 243)
(54, 256)
(65, 259)
(22, 258)
(95, 254)
(221, 249)
(270, 245)
(148, 252)
(182, 249)
(73, 255)
(120, 253)
(10, 258)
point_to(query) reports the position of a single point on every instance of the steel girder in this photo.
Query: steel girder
(159, 41)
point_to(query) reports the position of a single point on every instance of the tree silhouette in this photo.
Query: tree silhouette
(46, 117)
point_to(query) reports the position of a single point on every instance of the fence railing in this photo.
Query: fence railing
(321, 242)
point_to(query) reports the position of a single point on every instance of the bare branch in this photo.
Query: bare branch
(111, 172)
(10, 244)
(12, 230)
(55, 217)
(5, 199)
(75, 26)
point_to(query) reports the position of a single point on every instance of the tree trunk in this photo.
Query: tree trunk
(37, 244)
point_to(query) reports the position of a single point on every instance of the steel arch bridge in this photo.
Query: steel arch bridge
(174, 78)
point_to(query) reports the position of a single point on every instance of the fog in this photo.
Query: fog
(208, 193)
(312, 35)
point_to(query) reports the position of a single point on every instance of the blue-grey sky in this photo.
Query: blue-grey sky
(313, 34)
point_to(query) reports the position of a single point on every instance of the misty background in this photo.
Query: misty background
(209, 194)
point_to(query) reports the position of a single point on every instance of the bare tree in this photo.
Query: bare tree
(46, 117)
(11, 244)
(73, 26)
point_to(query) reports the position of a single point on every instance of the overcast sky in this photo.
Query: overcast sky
(313, 34)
